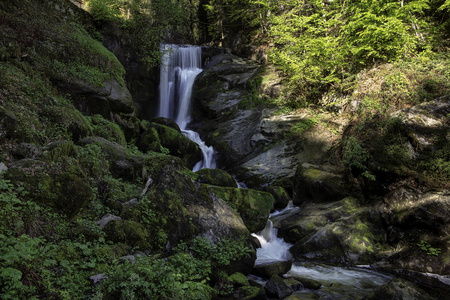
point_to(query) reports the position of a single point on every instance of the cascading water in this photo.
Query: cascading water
(180, 65)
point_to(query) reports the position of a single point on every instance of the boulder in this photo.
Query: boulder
(7, 123)
(316, 185)
(277, 288)
(253, 206)
(342, 231)
(418, 223)
(267, 270)
(111, 97)
(399, 289)
(308, 283)
(157, 138)
(123, 164)
(280, 195)
(216, 177)
(61, 186)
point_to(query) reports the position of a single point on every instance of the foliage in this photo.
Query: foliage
(424, 246)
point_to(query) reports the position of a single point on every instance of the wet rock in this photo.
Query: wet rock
(399, 289)
(276, 287)
(341, 231)
(294, 284)
(308, 283)
(216, 177)
(270, 269)
(304, 296)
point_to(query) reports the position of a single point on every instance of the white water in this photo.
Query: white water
(180, 65)
(272, 248)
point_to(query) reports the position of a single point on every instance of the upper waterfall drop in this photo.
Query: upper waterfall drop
(180, 65)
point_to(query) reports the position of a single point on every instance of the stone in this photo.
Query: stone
(3, 167)
(316, 185)
(308, 283)
(280, 195)
(399, 289)
(96, 280)
(253, 206)
(238, 279)
(216, 177)
(268, 270)
(106, 218)
(276, 287)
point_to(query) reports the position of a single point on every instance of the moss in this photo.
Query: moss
(253, 206)
(216, 177)
(238, 279)
(128, 232)
(108, 130)
(61, 185)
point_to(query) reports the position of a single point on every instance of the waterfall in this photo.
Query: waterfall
(180, 65)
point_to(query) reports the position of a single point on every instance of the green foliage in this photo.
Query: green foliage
(424, 246)
(303, 126)
(150, 278)
(355, 156)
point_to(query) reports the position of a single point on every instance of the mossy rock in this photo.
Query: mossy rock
(108, 130)
(216, 177)
(61, 186)
(166, 122)
(178, 144)
(318, 186)
(167, 140)
(238, 279)
(69, 118)
(253, 206)
(124, 164)
(280, 195)
(128, 232)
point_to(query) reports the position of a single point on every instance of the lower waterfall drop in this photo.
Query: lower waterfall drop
(180, 65)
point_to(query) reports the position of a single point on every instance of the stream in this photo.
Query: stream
(179, 68)
(337, 282)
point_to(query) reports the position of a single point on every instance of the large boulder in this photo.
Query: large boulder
(341, 232)
(253, 206)
(417, 224)
(61, 186)
(157, 137)
(216, 177)
(315, 184)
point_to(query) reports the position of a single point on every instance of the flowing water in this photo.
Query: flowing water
(180, 65)
(337, 282)
(179, 68)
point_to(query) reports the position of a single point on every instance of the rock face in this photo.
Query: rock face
(418, 223)
(334, 232)
(255, 142)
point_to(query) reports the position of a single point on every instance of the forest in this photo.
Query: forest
(336, 112)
